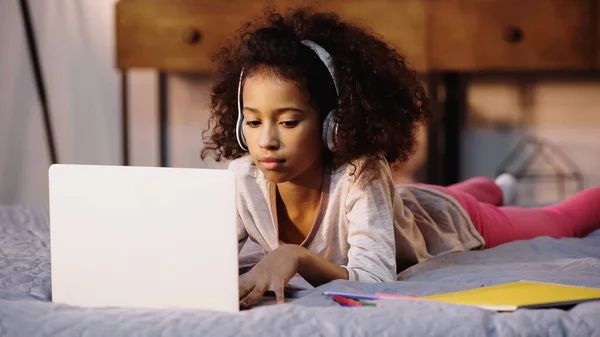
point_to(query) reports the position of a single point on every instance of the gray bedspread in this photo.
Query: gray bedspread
(26, 309)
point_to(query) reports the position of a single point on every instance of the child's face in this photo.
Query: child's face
(282, 129)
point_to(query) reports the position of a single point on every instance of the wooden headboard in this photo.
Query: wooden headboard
(442, 38)
(436, 35)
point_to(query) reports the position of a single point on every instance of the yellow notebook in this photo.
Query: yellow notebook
(523, 294)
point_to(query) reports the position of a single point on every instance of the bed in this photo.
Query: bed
(26, 308)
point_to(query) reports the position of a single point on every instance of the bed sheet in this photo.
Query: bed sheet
(26, 308)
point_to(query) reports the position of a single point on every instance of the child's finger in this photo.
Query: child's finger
(278, 289)
(244, 301)
(254, 295)
(245, 287)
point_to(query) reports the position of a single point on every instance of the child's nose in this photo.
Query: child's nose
(269, 138)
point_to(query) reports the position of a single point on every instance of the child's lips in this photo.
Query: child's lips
(271, 163)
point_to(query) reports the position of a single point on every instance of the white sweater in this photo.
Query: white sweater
(374, 232)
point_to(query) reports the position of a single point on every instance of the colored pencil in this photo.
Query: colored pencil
(346, 302)
(369, 304)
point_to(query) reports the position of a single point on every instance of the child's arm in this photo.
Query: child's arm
(241, 233)
(317, 270)
(371, 236)
(369, 209)
(371, 257)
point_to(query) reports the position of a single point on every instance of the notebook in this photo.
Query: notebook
(523, 294)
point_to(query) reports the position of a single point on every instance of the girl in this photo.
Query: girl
(323, 107)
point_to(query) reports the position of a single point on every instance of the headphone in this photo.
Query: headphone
(330, 127)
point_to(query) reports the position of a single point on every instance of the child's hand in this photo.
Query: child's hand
(273, 272)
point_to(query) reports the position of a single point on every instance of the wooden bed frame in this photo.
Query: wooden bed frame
(445, 40)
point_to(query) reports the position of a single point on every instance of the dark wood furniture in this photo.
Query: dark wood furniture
(445, 39)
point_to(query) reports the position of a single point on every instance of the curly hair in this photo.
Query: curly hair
(380, 105)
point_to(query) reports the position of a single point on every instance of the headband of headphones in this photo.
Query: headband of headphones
(329, 127)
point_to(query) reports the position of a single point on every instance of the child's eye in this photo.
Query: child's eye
(289, 124)
(253, 123)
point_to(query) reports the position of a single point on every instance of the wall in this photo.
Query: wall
(187, 118)
(76, 52)
(76, 42)
(76, 46)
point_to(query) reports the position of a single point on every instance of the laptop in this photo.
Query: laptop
(147, 237)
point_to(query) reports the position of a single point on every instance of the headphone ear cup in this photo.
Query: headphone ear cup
(329, 133)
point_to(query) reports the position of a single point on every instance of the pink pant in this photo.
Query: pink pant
(577, 216)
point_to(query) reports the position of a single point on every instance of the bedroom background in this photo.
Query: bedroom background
(76, 44)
